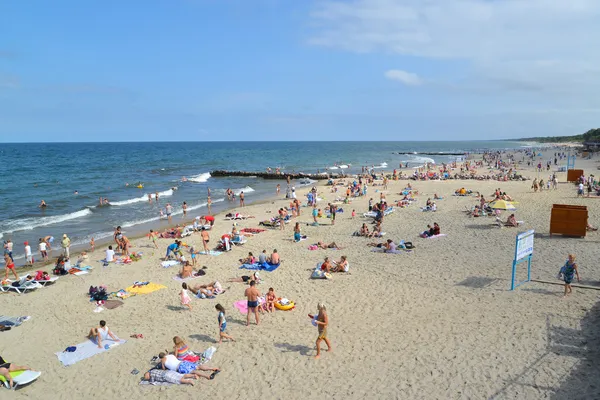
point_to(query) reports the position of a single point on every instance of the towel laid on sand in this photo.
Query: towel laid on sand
(242, 305)
(169, 263)
(211, 253)
(85, 350)
(397, 251)
(112, 304)
(437, 236)
(205, 357)
(261, 267)
(189, 278)
(12, 321)
(149, 288)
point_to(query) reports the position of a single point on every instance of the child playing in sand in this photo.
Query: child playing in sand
(353, 213)
(222, 324)
(270, 300)
(185, 296)
(321, 321)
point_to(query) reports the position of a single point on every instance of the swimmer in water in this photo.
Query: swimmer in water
(156, 196)
(126, 184)
(149, 198)
(43, 204)
(76, 192)
(106, 201)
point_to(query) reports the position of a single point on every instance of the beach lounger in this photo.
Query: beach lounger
(242, 240)
(44, 283)
(20, 289)
(21, 378)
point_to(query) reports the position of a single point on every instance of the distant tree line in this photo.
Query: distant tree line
(593, 135)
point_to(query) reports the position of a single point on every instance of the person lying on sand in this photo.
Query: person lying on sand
(332, 245)
(100, 333)
(6, 368)
(170, 362)
(246, 279)
(165, 375)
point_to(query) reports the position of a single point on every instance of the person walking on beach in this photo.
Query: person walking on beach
(252, 294)
(222, 324)
(66, 244)
(9, 266)
(278, 189)
(242, 203)
(568, 272)
(321, 321)
(150, 198)
(184, 209)
(8, 249)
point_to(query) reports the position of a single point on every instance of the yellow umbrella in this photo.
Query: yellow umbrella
(502, 205)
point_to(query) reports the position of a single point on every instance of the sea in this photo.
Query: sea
(71, 177)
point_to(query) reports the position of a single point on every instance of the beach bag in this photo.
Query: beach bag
(59, 271)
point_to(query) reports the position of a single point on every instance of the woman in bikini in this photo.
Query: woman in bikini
(6, 368)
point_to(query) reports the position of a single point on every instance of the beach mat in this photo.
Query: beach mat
(242, 305)
(112, 304)
(169, 263)
(84, 350)
(211, 253)
(180, 279)
(260, 267)
(12, 321)
(146, 289)
(205, 357)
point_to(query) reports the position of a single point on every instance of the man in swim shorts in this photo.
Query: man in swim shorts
(252, 294)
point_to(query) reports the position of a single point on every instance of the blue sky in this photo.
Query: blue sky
(297, 70)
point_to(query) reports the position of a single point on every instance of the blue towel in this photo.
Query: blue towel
(260, 267)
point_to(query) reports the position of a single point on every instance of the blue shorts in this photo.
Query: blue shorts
(223, 327)
(186, 367)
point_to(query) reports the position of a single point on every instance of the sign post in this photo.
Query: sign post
(523, 252)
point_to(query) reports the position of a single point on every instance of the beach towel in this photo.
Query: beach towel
(437, 236)
(205, 357)
(85, 350)
(112, 304)
(320, 274)
(262, 267)
(146, 289)
(121, 294)
(169, 263)
(189, 278)
(397, 251)
(13, 321)
(242, 305)
(211, 253)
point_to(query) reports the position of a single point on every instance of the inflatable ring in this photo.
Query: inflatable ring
(284, 308)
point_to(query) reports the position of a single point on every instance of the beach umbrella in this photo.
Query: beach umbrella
(502, 205)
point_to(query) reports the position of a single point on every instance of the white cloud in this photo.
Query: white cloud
(548, 44)
(404, 77)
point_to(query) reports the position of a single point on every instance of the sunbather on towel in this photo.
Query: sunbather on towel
(332, 245)
(274, 259)
(326, 266)
(208, 290)
(248, 260)
(170, 362)
(165, 375)
(6, 368)
(100, 333)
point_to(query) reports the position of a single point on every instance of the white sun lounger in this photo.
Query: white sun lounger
(21, 289)
(44, 283)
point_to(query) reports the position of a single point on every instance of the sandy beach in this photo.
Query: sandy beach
(435, 323)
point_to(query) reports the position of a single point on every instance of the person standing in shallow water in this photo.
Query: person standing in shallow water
(242, 203)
